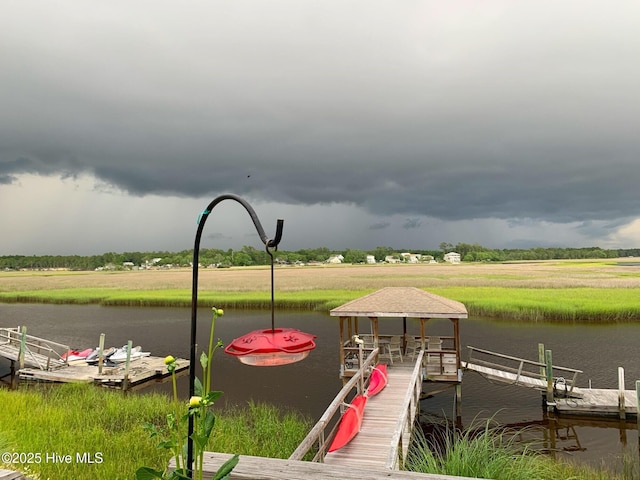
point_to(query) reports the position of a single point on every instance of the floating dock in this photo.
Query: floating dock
(38, 359)
(141, 372)
(562, 396)
(11, 475)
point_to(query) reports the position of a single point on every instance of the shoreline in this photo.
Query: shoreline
(543, 291)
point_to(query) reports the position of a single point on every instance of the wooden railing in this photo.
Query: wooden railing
(45, 354)
(318, 435)
(410, 405)
(522, 365)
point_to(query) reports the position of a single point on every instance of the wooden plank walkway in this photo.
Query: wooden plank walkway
(506, 377)
(370, 448)
(261, 468)
(11, 475)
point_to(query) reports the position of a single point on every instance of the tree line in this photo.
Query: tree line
(247, 256)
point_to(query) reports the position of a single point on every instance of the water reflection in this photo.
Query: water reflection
(309, 386)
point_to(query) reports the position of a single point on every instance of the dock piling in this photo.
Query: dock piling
(23, 346)
(125, 380)
(638, 406)
(549, 371)
(100, 353)
(621, 410)
(541, 360)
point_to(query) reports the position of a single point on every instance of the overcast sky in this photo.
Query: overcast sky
(362, 123)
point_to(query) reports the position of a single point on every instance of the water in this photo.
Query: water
(309, 386)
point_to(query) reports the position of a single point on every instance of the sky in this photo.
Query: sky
(361, 123)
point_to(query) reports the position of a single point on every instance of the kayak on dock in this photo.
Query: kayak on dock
(377, 380)
(350, 423)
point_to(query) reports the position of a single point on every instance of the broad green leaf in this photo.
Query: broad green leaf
(146, 473)
(197, 386)
(226, 468)
(209, 422)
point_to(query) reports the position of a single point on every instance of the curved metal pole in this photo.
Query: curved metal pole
(273, 243)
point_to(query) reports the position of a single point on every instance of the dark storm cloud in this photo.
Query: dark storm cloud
(411, 223)
(379, 226)
(526, 110)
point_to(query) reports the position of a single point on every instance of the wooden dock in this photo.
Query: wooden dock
(599, 402)
(384, 438)
(562, 396)
(11, 475)
(141, 371)
(262, 468)
(370, 448)
(38, 359)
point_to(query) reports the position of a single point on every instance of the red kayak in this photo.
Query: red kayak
(377, 380)
(350, 423)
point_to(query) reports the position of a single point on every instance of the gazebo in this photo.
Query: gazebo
(442, 353)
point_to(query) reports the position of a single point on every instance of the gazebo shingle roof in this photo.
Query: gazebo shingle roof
(401, 302)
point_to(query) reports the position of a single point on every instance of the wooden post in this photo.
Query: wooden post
(638, 405)
(342, 356)
(23, 346)
(100, 353)
(125, 380)
(622, 414)
(541, 359)
(549, 371)
(458, 402)
(13, 375)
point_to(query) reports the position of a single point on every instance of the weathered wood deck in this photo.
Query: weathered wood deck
(11, 475)
(261, 468)
(598, 402)
(370, 447)
(141, 371)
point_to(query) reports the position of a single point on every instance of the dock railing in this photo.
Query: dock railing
(519, 366)
(318, 436)
(41, 353)
(403, 431)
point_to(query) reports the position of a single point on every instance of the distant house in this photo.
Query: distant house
(391, 259)
(371, 259)
(335, 259)
(452, 257)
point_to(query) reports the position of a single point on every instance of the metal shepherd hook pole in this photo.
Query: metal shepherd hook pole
(269, 243)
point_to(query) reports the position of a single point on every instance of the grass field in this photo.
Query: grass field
(592, 291)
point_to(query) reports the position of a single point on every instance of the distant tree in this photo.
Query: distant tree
(354, 256)
(446, 247)
(382, 252)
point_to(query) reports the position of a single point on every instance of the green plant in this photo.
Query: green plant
(200, 412)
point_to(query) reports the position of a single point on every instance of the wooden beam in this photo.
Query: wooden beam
(262, 468)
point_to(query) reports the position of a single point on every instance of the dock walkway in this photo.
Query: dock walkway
(370, 447)
(385, 435)
(11, 475)
(261, 468)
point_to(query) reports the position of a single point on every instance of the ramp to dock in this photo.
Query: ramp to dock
(30, 351)
(519, 371)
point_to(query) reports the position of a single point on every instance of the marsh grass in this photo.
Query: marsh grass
(78, 418)
(259, 429)
(586, 305)
(491, 452)
(542, 291)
